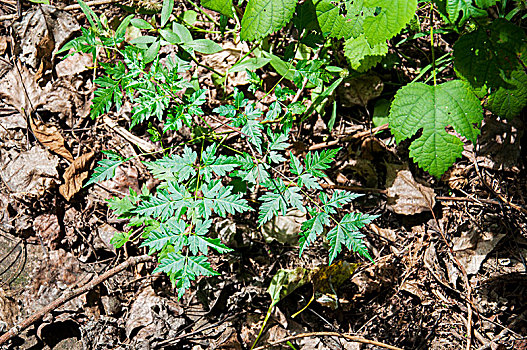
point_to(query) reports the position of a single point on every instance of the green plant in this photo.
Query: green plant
(206, 177)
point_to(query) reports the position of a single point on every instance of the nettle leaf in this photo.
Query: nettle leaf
(490, 54)
(222, 6)
(356, 13)
(263, 17)
(508, 102)
(393, 17)
(462, 10)
(361, 56)
(331, 22)
(418, 106)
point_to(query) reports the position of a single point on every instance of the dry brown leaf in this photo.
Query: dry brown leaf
(50, 137)
(405, 195)
(3, 44)
(360, 90)
(74, 64)
(76, 173)
(18, 88)
(41, 32)
(30, 172)
(472, 248)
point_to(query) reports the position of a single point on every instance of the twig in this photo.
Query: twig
(330, 334)
(357, 135)
(71, 295)
(139, 142)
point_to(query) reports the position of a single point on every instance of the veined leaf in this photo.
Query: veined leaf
(106, 168)
(311, 229)
(393, 17)
(222, 6)
(167, 203)
(199, 242)
(263, 17)
(331, 22)
(180, 167)
(169, 232)
(432, 108)
(347, 232)
(221, 199)
(489, 55)
(318, 161)
(459, 11)
(361, 56)
(337, 200)
(508, 102)
(272, 203)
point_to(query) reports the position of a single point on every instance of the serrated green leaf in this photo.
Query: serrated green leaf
(393, 17)
(331, 22)
(488, 55)
(296, 166)
(120, 238)
(272, 204)
(167, 203)
(105, 96)
(433, 108)
(263, 17)
(346, 232)
(318, 161)
(508, 102)
(222, 6)
(311, 229)
(180, 167)
(361, 56)
(168, 232)
(105, 170)
(220, 198)
(337, 200)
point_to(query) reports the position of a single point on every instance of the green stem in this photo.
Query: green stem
(204, 13)
(432, 41)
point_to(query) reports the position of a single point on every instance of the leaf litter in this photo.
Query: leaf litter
(400, 297)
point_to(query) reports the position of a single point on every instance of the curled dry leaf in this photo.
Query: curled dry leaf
(76, 173)
(50, 137)
(74, 64)
(405, 195)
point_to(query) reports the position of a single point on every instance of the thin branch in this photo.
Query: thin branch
(17, 329)
(357, 135)
(330, 334)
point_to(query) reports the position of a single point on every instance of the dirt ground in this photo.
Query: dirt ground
(450, 254)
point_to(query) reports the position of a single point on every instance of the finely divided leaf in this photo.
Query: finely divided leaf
(263, 17)
(433, 108)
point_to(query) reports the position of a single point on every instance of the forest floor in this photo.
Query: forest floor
(450, 254)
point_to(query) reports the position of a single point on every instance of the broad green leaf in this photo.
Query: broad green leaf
(222, 6)
(166, 11)
(120, 238)
(487, 55)
(459, 11)
(331, 22)
(144, 39)
(182, 32)
(141, 23)
(263, 17)
(204, 46)
(285, 69)
(152, 52)
(393, 17)
(250, 64)
(361, 55)
(356, 13)
(90, 15)
(508, 102)
(121, 30)
(170, 36)
(418, 106)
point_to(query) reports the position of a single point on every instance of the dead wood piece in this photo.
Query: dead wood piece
(139, 142)
(357, 135)
(17, 329)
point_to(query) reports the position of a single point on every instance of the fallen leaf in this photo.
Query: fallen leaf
(472, 248)
(41, 32)
(359, 91)
(48, 230)
(3, 44)
(30, 172)
(74, 64)
(50, 137)
(284, 229)
(405, 195)
(76, 173)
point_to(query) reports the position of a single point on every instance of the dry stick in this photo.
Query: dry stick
(330, 334)
(71, 295)
(357, 135)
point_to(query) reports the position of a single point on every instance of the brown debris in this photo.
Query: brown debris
(75, 174)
